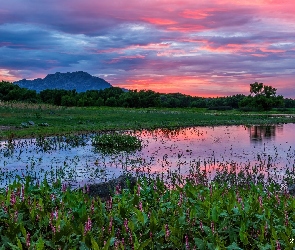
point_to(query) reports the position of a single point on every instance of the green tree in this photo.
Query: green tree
(68, 101)
(256, 88)
(262, 97)
(111, 102)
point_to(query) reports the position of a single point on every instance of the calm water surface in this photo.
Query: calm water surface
(163, 150)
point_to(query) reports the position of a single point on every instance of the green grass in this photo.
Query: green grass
(64, 120)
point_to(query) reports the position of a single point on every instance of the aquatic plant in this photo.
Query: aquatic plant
(115, 142)
(151, 216)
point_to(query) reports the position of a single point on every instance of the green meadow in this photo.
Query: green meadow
(58, 120)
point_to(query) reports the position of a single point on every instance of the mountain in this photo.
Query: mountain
(79, 80)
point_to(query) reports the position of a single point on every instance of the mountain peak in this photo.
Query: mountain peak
(79, 80)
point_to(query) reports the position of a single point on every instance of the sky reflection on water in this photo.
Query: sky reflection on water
(163, 150)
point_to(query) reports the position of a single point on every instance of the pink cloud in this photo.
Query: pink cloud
(6, 76)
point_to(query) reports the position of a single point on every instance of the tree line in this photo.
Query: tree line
(261, 97)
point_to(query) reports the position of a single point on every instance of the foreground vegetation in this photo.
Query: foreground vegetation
(47, 120)
(195, 215)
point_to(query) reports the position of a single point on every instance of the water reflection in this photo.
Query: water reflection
(211, 149)
(260, 133)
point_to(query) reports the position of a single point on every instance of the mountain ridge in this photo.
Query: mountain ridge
(79, 80)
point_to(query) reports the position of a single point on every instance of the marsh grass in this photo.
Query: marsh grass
(63, 120)
(115, 142)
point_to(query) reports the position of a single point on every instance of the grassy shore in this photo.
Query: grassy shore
(14, 118)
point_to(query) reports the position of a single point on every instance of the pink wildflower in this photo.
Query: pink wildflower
(64, 187)
(186, 242)
(111, 225)
(88, 226)
(278, 245)
(201, 226)
(110, 203)
(140, 206)
(167, 232)
(180, 200)
(23, 192)
(265, 229)
(126, 225)
(12, 199)
(28, 241)
(118, 189)
(53, 229)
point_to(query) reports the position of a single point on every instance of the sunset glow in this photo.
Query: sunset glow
(203, 48)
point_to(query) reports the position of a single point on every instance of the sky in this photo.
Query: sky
(196, 47)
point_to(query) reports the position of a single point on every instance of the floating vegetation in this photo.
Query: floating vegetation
(115, 142)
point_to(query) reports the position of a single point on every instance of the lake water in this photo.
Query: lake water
(163, 150)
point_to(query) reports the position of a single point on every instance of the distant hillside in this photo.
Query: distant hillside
(79, 80)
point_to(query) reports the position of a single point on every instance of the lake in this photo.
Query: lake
(271, 149)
